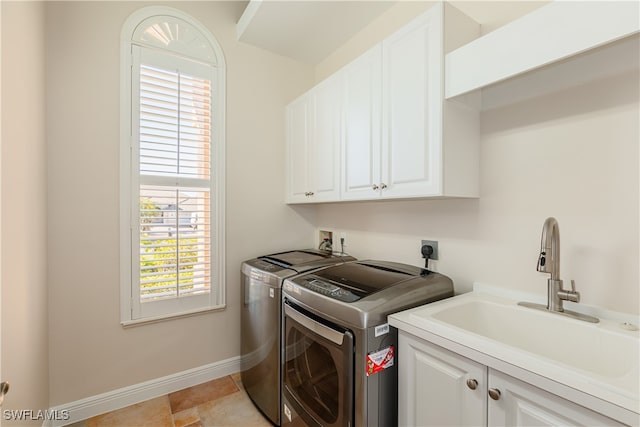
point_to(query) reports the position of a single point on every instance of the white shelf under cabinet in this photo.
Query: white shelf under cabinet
(550, 34)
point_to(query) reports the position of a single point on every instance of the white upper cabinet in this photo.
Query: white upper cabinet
(325, 162)
(412, 114)
(362, 119)
(313, 144)
(400, 138)
(392, 116)
(298, 134)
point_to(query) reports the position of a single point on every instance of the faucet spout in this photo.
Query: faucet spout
(549, 258)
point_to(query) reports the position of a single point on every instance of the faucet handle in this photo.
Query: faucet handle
(569, 295)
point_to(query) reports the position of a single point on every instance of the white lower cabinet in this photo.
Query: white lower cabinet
(438, 387)
(432, 386)
(515, 403)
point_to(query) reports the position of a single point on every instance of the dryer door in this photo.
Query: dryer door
(318, 370)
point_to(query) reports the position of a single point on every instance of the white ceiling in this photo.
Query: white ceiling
(307, 31)
(310, 30)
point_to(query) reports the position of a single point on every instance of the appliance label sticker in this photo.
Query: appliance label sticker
(287, 412)
(380, 360)
(382, 329)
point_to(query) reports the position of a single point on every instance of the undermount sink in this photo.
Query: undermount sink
(601, 359)
(581, 345)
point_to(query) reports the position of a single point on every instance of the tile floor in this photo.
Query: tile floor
(221, 402)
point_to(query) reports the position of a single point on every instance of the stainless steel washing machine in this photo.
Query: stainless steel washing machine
(261, 343)
(340, 366)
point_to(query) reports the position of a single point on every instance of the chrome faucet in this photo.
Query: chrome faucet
(549, 262)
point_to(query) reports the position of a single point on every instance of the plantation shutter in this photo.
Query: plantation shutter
(172, 129)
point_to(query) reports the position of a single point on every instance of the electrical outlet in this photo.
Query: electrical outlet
(434, 245)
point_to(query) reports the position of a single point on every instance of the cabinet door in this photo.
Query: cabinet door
(361, 147)
(324, 159)
(521, 404)
(412, 108)
(298, 116)
(433, 389)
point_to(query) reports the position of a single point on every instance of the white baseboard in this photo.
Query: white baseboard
(116, 399)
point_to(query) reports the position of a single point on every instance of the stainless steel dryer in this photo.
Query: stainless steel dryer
(260, 345)
(339, 366)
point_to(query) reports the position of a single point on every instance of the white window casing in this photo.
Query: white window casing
(172, 167)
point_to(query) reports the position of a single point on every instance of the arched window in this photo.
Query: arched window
(172, 166)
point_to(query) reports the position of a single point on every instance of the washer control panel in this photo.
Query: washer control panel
(328, 289)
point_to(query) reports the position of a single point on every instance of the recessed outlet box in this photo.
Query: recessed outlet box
(325, 235)
(434, 245)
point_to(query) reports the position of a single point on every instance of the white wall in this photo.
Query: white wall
(571, 154)
(90, 352)
(24, 291)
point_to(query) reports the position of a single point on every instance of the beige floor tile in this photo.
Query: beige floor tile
(217, 403)
(233, 410)
(153, 413)
(238, 380)
(185, 418)
(199, 394)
